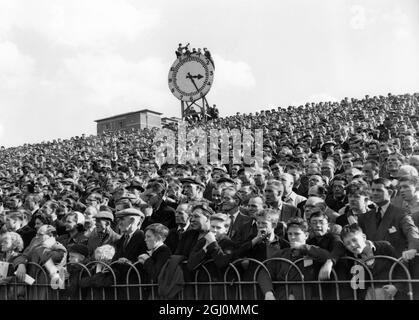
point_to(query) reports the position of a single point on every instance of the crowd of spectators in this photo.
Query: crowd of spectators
(339, 179)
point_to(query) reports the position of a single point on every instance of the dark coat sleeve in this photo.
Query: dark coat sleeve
(154, 264)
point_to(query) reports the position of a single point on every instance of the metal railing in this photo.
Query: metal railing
(241, 279)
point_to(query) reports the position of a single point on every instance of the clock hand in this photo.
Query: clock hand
(191, 78)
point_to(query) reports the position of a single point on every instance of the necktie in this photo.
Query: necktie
(378, 216)
(230, 230)
(126, 240)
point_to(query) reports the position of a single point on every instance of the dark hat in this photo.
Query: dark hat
(131, 212)
(226, 179)
(193, 180)
(80, 249)
(220, 167)
(136, 185)
(104, 215)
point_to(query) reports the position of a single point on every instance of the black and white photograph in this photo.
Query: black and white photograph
(233, 151)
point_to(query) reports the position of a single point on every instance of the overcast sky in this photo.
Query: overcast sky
(66, 63)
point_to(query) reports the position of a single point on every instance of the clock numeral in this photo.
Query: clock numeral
(201, 94)
(173, 89)
(208, 62)
(181, 96)
(171, 69)
(170, 80)
(191, 99)
(209, 83)
(212, 73)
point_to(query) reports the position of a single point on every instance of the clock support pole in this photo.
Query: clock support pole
(203, 106)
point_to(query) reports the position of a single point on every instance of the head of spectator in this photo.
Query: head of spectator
(317, 191)
(371, 170)
(381, 191)
(328, 169)
(129, 220)
(11, 242)
(313, 169)
(319, 223)
(103, 221)
(230, 201)
(50, 209)
(407, 170)
(394, 162)
(235, 170)
(246, 192)
(193, 188)
(104, 253)
(246, 176)
(314, 204)
(297, 232)
(47, 234)
(266, 221)
(354, 239)
(287, 181)
(273, 193)
(315, 180)
(384, 152)
(42, 219)
(338, 187)
(358, 197)
(408, 186)
(174, 191)
(74, 223)
(414, 161)
(32, 202)
(78, 253)
(155, 235)
(255, 205)
(182, 215)
(199, 218)
(259, 178)
(276, 170)
(219, 225)
(153, 194)
(408, 145)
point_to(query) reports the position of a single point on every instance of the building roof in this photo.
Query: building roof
(129, 113)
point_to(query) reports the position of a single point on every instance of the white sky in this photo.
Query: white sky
(66, 63)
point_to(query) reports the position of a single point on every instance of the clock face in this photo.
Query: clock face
(191, 77)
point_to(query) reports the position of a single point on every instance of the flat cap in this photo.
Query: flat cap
(193, 180)
(104, 215)
(129, 212)
(226, 179)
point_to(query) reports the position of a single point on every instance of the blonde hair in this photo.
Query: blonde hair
(17, 242)
(104, 253)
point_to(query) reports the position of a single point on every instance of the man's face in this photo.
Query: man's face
(264, 226)
(357, 201)
(384, 152)
(272, 194)
(296, 237)
(216, 195)
(319, 226)
(182, 215)
(327, 170)
(347, 163)
(191, 190)
(373, 149)
(339, 188)
(287, 182)
(315, 180)
(234, 171)
(198, 220)
(393, 163)
(152, 198)
(174, 191)
(379, 193)
(218, 228)
(276, 171)
(255, 205)
(151, 240)
(313, 168)
(407, 190)
(101, 225)
(355, 242)
(229, 201)
(369, 172)
(13, 224)
(125, 224)
(70, 223)
(245, 193)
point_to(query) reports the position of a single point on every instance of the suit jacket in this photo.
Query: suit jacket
(241, 229)
(94, 241)
(134, 248)
(155, 263)
(164, 215)
(396, 227)
(27, 233)
(187, 242)
(288, 211)
(221, 251)
(66, 241)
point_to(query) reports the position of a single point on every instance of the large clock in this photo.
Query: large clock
(191, 77)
